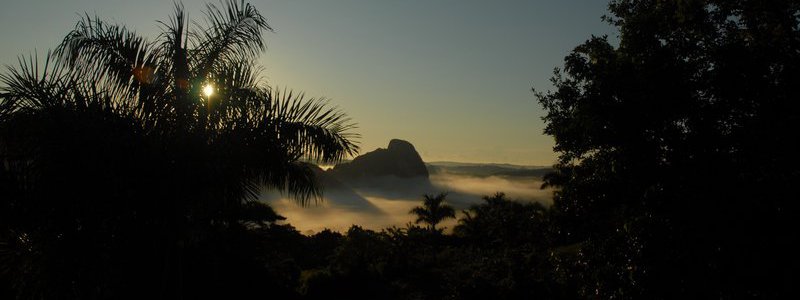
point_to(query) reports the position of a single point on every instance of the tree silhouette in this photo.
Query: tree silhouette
(433, 210)
(118, 170)
(674, 176)
(499, 221)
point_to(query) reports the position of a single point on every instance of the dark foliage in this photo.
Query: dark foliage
(121, 180)
(433, 211)
(420, 263)
(499, 222)
(675, 177)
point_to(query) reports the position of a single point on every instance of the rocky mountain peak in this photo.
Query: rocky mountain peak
(399, 159)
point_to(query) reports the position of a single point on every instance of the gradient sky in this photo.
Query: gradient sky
(451, 76)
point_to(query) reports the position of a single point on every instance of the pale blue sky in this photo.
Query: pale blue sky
(452, 77)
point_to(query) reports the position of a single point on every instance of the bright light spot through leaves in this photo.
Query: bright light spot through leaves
(208, 90)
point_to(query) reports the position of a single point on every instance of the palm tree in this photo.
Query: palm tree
(118, 147)
(199, 82)
(433, 210)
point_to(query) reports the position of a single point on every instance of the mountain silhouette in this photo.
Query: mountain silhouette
(394, 172)
(400, 159)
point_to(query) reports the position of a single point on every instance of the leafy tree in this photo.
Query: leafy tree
(321, 247)
(357, 269)
(504, 252)
(674, 176)
(127, 164)
(502, 222)
(395, 263)
(433, 210)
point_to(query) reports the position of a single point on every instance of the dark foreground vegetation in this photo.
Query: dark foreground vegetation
(121, 178)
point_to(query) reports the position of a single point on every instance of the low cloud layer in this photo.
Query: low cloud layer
(519, 188)
(382, 206)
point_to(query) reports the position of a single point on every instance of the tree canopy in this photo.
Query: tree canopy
(675, 174)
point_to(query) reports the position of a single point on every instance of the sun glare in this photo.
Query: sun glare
(208, 90)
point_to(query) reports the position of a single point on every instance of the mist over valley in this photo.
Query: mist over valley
(377, 189)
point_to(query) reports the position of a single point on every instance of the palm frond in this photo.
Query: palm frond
(173, 43)
(6, 106)
(320, 132)
(239, 74)
(35, 85)
(423, 215)
(237, 84)
(231, 33)
(119, 62)
(294, 178)
(173, 36)
(110, 49)
(258, 213)
(31, 85)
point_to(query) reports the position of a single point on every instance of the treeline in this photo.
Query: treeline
(500, 248)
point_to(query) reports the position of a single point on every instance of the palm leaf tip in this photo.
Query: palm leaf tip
(231, 32)
(321, 132)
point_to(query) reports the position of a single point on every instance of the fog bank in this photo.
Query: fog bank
(377, 208)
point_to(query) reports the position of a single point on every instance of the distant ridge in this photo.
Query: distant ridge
(503, 165)
(488, 169)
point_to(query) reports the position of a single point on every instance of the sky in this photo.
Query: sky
(453, 77)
